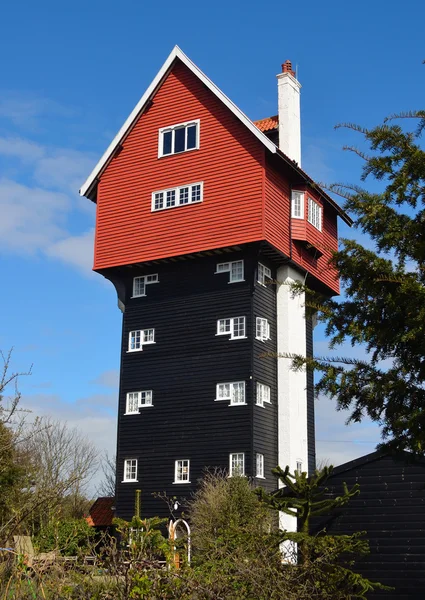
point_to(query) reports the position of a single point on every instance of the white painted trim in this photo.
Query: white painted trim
(293, 215)
(125, 480)
(318, 207)
(176, 469)
(172, 128)
(177, 192)
(176, 53)
(230, 464)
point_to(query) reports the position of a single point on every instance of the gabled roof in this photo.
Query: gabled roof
(377, 455)
(101, 513)
(90, 185)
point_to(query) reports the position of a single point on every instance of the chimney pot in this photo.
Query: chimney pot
(287, 68)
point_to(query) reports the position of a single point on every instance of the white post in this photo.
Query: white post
(291, 385)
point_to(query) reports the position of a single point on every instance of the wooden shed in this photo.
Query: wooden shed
(391, 510)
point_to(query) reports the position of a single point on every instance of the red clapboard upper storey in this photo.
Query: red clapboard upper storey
(190, 172)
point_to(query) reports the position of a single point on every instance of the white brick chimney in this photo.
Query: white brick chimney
(288, 92)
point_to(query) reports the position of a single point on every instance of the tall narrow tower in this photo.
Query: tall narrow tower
(202, 223)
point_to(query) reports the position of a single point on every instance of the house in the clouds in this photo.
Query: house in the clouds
(204, 219)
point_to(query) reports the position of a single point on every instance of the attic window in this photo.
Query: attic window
(178, 138)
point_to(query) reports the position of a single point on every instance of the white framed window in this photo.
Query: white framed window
(315, 214)
(137, 400)
(297, 204)
(178, 196)
(233, 391)
(139, 338)
(264, 274)
(181, 471)
(130, 469)
(235, 327)
(262, 329)
(235, 268)
(140, 283)
(262, 394)
(178, 138)
(259, 465)
(237, 464)
(299, 467)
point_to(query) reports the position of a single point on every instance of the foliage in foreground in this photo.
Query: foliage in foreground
(384, 287)
(236, 554)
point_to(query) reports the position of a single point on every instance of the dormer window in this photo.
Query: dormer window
(315, 214)
(297, 205)
(178, 138)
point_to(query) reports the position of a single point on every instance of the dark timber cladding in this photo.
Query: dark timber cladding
(183, 368)
(391, 510)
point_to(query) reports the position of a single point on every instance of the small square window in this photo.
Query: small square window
(237, 464)
(178, 138)
(259, 465)
(262, 394)
(297, 201)
(130, 469)
(158, 200)
(181, 471)
(262, 329)
(233, 391)
(315, 214)
(138, 338)
(196, 193)
(235, 268)
(139, 288)
(264, 274)
(171, 198)
(184, 195)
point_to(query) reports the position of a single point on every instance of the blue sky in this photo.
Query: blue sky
(70, 75)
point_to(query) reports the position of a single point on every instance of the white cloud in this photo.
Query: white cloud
(31, 218)
(26, 111)
(20, 148)
(64, 170)
(75, 250)
(108, 379)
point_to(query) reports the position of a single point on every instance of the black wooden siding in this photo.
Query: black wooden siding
(391, 509)
(184, 366)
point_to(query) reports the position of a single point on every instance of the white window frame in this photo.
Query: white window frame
(297, 195)
(232, 328)
(132, 479)
(232, 388)
(143, 334)
(178, 196)
(240, 473)
(145, 280)
(315, 212)
(172, 128)
(263, 273)
(262, 329)
(259, 466)
(140, 398)
(178, 470)
(299, 468)
(262, 394)
(227, 267)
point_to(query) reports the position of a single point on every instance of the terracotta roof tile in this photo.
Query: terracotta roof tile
(267, 124)
(101, 513)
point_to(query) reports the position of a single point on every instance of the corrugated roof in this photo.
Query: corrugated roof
(101, 513)
(267, 124)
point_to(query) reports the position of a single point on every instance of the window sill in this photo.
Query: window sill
(130, 481)
(237, 281)
(177, 153)
(238, 404)
(140, 349)
(262, 339)
(259, 477)
(241, 337)
(139, 296)
(180, 482)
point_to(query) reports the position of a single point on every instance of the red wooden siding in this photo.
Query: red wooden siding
(326, 241)
(279, 228)
(277, 210)
(229, 162)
